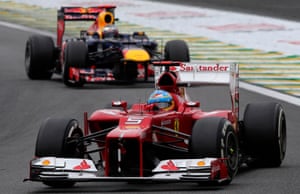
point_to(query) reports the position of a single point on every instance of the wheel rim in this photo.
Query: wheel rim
(27, 58)
(281, 136)
(231, 151)
(79, 150)
(75, 150)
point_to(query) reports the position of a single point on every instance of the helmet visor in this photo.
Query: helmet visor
(162, 105)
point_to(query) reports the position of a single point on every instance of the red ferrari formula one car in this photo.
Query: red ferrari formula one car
(166, 139)
(100, 54)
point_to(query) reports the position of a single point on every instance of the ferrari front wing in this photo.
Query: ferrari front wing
(173, 170)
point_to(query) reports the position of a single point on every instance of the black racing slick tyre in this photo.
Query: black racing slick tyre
(58, 138)
(215, 137)
(177, 50)
(39, 57)
(75, 55)
(265, 134)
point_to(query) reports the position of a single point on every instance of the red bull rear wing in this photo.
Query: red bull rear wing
(69, 13)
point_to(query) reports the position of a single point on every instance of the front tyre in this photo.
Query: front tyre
(75, 56)
(215, 137)
(59, 138)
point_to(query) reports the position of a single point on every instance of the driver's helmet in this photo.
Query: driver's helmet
(162, 100)
(110, 31)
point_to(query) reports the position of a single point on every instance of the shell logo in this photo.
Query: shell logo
(201, 163)
(46, 162)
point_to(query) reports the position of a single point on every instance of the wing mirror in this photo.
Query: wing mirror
(122, 104)
(192, 104)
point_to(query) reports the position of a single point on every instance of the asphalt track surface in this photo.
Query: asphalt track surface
(26, 103)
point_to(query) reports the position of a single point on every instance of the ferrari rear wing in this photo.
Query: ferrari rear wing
(193, 74)
(197, 74)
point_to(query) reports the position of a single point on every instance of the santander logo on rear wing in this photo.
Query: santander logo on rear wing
(197, 74)
(200, 73)
(206, 73)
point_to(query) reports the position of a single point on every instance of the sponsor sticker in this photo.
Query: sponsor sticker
(199, 68)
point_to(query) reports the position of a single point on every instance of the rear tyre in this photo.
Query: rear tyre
(75, 56)
(265, 134)
(54, 140)
(39, 57)
(177, 50)
(215, 137)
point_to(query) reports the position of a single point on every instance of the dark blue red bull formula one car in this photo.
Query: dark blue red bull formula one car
(100, 54)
